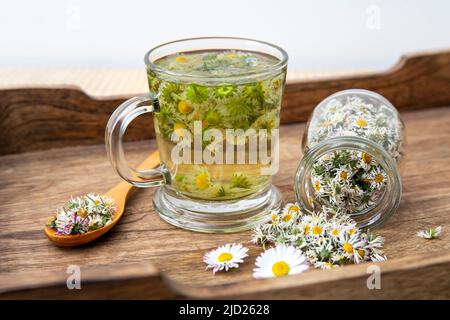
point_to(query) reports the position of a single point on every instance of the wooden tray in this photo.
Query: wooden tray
(52, 148)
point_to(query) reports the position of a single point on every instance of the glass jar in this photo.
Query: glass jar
(353, 149)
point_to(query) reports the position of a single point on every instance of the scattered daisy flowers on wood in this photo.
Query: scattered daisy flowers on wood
(280, 261)
(327, 239)
(83, 214)
(430, 233)
(225, 257)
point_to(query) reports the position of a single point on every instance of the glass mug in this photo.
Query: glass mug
(214, 101)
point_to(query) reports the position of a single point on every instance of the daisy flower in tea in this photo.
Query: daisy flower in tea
(83, 214)
(225, 257)
(430, 233)
(280, 261)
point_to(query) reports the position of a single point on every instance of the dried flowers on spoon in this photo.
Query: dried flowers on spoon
(83, 214)
(327, 239)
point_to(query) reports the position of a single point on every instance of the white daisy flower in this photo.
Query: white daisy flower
(288, 217)
(360, 122)
(430, 233)
(225, 257)
(343, 173)
(318, 185)
(280, 261)
(274, 217)
(378, 178)
(317, 230)
(350, 246)
(351, 229)
(334, 230)
(292, 208)
(366, 161)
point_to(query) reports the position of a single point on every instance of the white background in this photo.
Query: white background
(318, 35)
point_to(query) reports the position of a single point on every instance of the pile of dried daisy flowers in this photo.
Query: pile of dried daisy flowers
(348, 180)
(323, 240)
(328, 239)
(83, 214)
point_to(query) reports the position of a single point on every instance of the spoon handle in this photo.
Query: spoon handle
(122, 191)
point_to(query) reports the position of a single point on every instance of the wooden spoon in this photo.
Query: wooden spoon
(119, 194)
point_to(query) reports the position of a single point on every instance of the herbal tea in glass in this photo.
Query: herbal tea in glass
(229, 105)
(216, 106)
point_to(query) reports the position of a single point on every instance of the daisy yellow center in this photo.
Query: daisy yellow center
(287, 217)
(179, 128)
(367, 158)
(317, 185)
(361, 253)
(329, 264)
(280, 268)
(335, 232)
(231, 56)
(317, 230)
(378, 178)
(82, 212)
(225, 256)
(181, 59)
(274, 217)
(306, 230)
(202, 181)
(293, 208)
(343, 175)
(352, 231)
(347, 247)
(184, 107)
(361, 123)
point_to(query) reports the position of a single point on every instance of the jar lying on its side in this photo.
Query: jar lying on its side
(353, 148)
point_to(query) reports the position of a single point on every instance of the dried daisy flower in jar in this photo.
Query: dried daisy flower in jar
(353, 147)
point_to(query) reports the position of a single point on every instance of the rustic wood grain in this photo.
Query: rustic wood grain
(43, 118)
(33, 184)
(39, 119)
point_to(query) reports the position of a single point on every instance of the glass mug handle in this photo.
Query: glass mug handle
(115, 130)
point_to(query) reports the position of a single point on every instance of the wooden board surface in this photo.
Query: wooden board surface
(34, 184)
